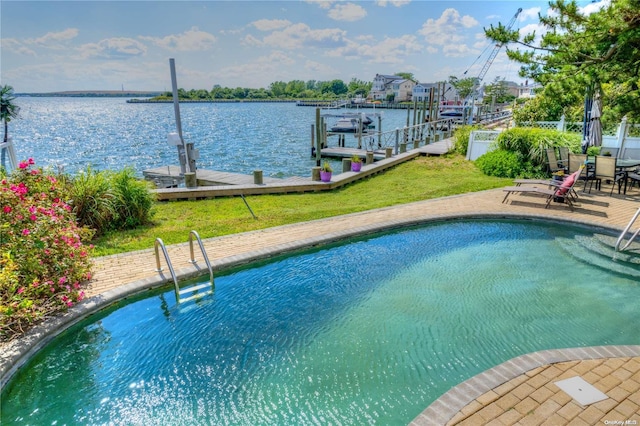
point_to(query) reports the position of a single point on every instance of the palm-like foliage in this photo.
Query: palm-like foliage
(8, 110)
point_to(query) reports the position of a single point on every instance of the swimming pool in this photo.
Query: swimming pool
(366, 332)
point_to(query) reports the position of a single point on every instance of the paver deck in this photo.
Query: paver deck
(526, 398)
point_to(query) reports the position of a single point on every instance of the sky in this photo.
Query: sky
(49, 46)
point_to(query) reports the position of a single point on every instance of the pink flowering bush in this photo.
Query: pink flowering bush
(44, 262)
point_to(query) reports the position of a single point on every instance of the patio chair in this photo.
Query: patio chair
(552, 161)
(564, 155)
(605, 169)
(560, 193)
(576, 161)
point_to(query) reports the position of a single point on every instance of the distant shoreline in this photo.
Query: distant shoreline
(94, 94)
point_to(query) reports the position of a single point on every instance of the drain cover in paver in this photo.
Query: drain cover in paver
(581, 391)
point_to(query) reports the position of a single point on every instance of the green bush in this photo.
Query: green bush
(531, 143)
(461, 138)
(44, 261)
(501, 163)
(92, 199)
(133, 199)
(107, 201)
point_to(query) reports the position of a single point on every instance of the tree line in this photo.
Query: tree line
(294, 89)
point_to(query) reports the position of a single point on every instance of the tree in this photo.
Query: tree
(278, 88)
(498, 92)
(464, 86)
(406, 76)
(8, 111)
(579, 51)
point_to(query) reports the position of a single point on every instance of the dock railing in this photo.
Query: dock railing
(400, 138)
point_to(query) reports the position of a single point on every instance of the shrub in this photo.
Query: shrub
(501, 163)
(461, 138)
(107, 201)
(44, 261)
(531, 143)
(92, 200)
(133, 199)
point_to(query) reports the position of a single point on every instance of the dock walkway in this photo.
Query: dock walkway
(222, 184)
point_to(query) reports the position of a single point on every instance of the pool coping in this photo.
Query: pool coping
(17, 353)
(447, 406)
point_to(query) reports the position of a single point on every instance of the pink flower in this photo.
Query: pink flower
(34, 172)
(62, 280)
(6, 209)
(31, 161)
(23, 165)
(21, 290)
(33, 217)
(25, 232)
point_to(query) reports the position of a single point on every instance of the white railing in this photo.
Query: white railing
(621, 140)
(624, 233)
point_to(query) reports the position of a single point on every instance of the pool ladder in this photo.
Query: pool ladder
(193, 290)
(624, 233)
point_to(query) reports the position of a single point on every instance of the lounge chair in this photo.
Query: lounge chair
(550, 183)
(560, 193)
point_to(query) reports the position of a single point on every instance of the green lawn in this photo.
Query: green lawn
(421, 179)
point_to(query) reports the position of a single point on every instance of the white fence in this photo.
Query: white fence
(481, 141)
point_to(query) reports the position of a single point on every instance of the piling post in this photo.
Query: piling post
(388, 152)
(257, 177)
(346, 165)
(318, 140)
(313, 141)
(398, 142)
(315, 174)
(369, 157)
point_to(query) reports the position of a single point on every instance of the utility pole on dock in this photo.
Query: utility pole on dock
(186, 154)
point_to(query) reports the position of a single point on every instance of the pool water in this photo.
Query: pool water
(367, 332)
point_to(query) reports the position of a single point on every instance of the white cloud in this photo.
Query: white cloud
(447, 28)
(594, 7)
(13, 45)
(319, 68)
(52, 39)
(299, 36)
(396, 3)
(271, 24)
(347, 12)
(258, 73)
(192, 40)
(457, 50)
(323, 4)
(389, 50)
(527, 14)
(113, 48)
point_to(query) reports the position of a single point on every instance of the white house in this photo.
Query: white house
(385, 85)
(449, 95)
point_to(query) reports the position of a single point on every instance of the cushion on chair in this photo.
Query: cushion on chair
(568, 183)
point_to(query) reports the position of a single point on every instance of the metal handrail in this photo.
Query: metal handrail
(204, 253)
(160, 244)
(624, 233)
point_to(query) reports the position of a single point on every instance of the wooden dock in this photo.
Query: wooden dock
(169, 176)
(235, 184)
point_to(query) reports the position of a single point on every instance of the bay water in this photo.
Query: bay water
(109, 133)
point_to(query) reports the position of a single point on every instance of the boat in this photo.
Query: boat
(347, 125)
(451, 113)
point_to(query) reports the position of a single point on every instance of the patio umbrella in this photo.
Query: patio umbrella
(595, 125)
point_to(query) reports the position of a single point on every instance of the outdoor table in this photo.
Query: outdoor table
(624, 164)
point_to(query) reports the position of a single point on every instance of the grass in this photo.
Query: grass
(421, 179)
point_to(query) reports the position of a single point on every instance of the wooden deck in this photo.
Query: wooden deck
(234, 184)
(203, 177)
